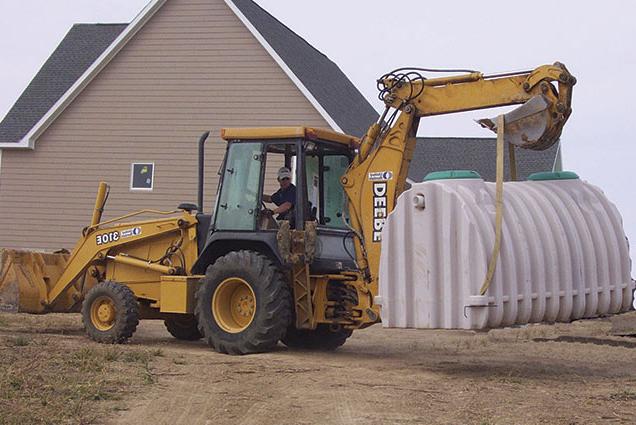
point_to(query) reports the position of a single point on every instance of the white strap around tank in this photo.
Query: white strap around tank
(492, 264)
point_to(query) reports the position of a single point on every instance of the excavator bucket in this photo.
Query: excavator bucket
(26, 278)
(529, 126)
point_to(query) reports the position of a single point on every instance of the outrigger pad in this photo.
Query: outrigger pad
(527, 126)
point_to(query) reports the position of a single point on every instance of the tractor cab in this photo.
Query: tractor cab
(316, 159)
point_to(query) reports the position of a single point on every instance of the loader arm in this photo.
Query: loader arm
(97, 241)
(99, 238)
(378, 173)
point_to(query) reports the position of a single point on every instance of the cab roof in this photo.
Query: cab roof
(289, 133)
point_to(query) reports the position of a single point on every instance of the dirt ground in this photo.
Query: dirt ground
(540, 374)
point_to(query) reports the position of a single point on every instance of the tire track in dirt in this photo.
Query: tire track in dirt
(393, 377)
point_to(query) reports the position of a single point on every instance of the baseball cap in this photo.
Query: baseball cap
(283, 173)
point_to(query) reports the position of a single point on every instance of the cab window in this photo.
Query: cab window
(335, 213)
(238, 202)
(324, 167)
(277, 155)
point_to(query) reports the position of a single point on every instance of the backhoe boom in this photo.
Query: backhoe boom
(378, 173)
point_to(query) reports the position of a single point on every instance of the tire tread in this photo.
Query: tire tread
(276, 301)
(127, 317)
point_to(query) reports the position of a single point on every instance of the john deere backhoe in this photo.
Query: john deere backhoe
(239, 278)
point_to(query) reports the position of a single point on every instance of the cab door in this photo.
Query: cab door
(327, 205)
(238, 202)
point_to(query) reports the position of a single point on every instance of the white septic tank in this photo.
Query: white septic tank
(564, 254)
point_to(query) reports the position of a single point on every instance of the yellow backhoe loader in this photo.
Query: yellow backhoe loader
(245, 281)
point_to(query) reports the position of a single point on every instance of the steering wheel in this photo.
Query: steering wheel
(267, 215)
(265, 210)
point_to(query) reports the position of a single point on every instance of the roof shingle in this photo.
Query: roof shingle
(84, 43)
(322, 77)
(477, 154)
(81, 46)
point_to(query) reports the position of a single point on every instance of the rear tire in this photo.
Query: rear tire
(110, 313)
(184, 328)
(243, 304)
(322, 338)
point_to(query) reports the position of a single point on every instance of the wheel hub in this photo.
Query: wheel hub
(103, 313)
(245, 306)
(234, 305)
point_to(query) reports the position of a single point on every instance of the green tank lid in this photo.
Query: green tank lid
(553, 175)
(452, 174)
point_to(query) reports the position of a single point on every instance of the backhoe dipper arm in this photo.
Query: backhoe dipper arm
(378, 173)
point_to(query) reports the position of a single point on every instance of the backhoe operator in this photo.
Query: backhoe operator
(285, 197)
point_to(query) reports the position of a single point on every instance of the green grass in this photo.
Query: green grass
(18, 341)
(142, 357)
(179, 361)
(44, 380)
(624, 395)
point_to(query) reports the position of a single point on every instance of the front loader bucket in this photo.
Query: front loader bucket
(529, 126)
(26, 278)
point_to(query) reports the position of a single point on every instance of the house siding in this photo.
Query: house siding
(193, 67)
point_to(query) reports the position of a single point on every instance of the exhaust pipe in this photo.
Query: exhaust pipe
(202, 141)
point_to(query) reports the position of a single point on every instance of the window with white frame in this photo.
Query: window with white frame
(142, 176)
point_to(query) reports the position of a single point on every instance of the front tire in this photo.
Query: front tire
(243, 304)
(110, 313)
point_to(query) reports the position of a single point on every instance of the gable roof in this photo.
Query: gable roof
(28, 141)
(478, 154)
(77, 51)
(331, 88)
(87, 49)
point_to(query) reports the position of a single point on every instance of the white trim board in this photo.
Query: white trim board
(28, 141)
(314, 102)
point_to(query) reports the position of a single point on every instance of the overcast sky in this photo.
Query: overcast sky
(366, 38)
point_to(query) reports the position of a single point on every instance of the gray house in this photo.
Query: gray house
(479, 154)
(125, 103)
